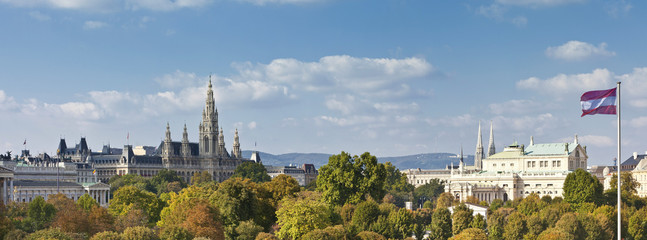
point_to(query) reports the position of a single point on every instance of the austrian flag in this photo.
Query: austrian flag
(599, 102)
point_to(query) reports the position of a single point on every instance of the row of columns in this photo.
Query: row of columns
(7, 191)
(101, 196)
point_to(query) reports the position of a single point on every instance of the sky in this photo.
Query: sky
(389, 77)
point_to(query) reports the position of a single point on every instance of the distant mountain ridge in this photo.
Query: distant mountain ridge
(422, 161)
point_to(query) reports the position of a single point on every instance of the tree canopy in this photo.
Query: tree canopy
(347, 179)
(253, 171)
(580, 187)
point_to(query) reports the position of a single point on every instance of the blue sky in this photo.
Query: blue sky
(392, 77)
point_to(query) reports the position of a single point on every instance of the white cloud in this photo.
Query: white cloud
(538, 3)
(135, 5)
(538, 124)
(494, 11)
(345, 104)
(616, 8)
(80, 110)
(396, 107)
(351, 121)
(62, 4)
(635, 83)
(593, 140)
(453, 121)
(178, 79)
(251, 125)
(562, 83)
(576, 50)
(640, 103)
(89, 25)
(39, 16)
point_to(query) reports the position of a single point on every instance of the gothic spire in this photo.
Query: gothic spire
(479, 155)
(185, 135)
(491, 149)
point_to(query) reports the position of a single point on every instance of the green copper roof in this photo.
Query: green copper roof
(543, 149)
(550, 149)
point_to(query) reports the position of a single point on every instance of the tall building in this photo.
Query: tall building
(186, 158)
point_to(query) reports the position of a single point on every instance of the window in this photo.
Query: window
(505, 185)
(526, 185)
(494, 165)
(502, 164)
(541, 164)
(529, 164)
(537, 185)
(559, 163)
(533, 163)
(550, 184)
(511, 164)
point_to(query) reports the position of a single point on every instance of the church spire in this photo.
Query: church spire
(462, 163)
(478, 155)
(185, 135)
(491, 149)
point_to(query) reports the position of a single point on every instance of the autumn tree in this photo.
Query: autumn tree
(252, 171)
(69, 217)
(445, 200)
(203, 220)
(101, 220)
(347, 179)
(580, 186)
(470, 234)
(282, 186)
(49, 233)
(569, 223)
(555, 234)
(107, 235)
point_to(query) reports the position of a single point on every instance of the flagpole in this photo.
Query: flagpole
(618, 162)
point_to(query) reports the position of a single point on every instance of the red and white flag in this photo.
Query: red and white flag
(599, 102)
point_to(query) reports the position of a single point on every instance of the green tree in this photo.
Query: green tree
(496, 223)
(461, 219)
(129, 197)
(629, 184)
(366, 213)
(401, 222)
(536, 226)
(248, 230)
(139, 233)
(199, 178)
(118, 181)
(441, 224)
(239, 200)
(531, 204)
(163, 179)
(445, 200)
(347, 179)
(298, 216)
(496, 204)
(5, 223)
(478, 222)
(253, 171)
(470, 234)
(580, 187)
(39, 214)
(429, 191)
(638, 225)
(569, 223)
(515, 227)
(86, 202)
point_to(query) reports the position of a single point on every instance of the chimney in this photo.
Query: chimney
(635, 155)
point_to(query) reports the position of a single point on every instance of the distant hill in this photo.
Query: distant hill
(423, 160)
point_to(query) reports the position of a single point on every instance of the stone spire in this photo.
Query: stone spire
(167, 149)
(491, 149)
(236, 151)
(532, 140)
(168, 133)
(478, 155)
(186, 149)
(576, 142)
(462, 163)
(221, 144)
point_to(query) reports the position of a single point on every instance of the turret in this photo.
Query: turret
(235, 152)
(186, 150)
(167, 147)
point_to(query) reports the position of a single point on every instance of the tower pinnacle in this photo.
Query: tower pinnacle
(491, 149)
(478, 155)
